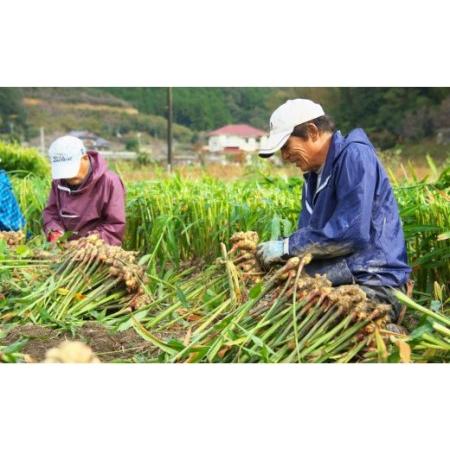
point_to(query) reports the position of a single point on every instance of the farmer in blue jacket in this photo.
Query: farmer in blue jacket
(11, 219)
(349, 219)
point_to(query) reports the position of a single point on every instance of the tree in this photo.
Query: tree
(12, 112)
(388, 114)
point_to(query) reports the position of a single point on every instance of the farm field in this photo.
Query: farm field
(183, 296)
(224, 226)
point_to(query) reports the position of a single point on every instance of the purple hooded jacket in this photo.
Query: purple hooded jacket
(98, 205)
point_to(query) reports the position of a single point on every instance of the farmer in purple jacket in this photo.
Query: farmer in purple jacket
(85, 197)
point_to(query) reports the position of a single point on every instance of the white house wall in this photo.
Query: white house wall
(262, 141)
(218, 143)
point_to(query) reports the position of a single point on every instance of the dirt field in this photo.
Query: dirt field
(108, 347)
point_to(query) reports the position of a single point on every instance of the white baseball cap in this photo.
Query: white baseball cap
(284, 119)
(65, 155)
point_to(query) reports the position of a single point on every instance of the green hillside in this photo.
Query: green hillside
(202, 108)
(391, 116)
(59, 110)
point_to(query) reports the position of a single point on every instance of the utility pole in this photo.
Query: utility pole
(42, 140)
(169, 129)
(138, 135)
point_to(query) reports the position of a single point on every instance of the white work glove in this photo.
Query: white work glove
(271, 252)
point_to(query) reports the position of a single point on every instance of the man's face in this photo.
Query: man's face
(301, 152)
(82, 172)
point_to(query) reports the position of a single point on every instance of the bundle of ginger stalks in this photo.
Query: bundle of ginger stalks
(229, 311)
(280, 316)
(84, 278)
(12, 238)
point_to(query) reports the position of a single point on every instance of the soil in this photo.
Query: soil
(106, 345)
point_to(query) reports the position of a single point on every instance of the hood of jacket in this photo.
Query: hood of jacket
(98, 169)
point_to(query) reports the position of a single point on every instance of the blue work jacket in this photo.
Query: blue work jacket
(11, 219)
(352, 213)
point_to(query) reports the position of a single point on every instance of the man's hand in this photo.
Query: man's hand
(270, 252)
(54, 235)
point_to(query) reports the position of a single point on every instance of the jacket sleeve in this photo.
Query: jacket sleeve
(348, 227)
(52, 220)
(302, 219)
(112, 228)
(11, 218)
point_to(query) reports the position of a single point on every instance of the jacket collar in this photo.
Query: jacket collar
(336, 147)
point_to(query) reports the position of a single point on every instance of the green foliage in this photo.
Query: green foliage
(89, 95)
(32, 194)
(180, 218)
(202, 108)
(144, 159)
(23, 161)
(389, 115)
(444, 179)
(12, 112)
(132, 145)
(383, 112)
(106, 123)
(386, 113)
(192, 314)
